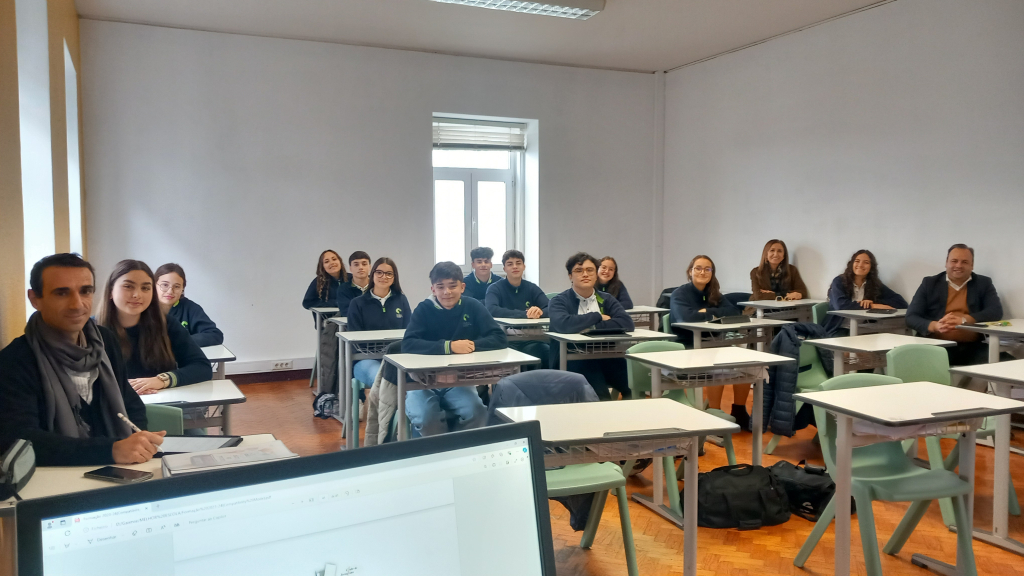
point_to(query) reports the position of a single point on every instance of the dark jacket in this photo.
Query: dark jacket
(623, 295)
(686, 305)
(477, 289)
(313, 300)
(23, 409)
(929, 303)
(193, 318)
(192, 365)
(507, 301)
(779, 406)
(433, 328)
(840, 299)
(566, 319)
(366, 313)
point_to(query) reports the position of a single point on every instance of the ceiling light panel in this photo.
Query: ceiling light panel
(572, 9)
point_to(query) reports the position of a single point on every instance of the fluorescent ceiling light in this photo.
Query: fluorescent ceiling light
(573, 9)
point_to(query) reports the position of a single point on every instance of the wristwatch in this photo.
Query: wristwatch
(165, 378)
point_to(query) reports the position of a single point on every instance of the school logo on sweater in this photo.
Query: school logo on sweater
(184, 323)
(398, 312)
(527, 303)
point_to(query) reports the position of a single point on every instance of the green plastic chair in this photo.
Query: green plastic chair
(666, 323)
(884, 472)
(924, 363)
(596, 479)
(819, 313)
(551, 295)
(811, 374)
(168, 418)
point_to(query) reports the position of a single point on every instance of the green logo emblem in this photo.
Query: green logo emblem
(184, 323)
(398, 312)
(527, 303)
(465, 317)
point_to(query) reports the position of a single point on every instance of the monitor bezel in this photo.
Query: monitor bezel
(30, 513)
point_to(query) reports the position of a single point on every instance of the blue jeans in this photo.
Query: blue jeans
(366, 371)
(444, 410)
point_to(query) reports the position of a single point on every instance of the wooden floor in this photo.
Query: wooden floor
(285, 409)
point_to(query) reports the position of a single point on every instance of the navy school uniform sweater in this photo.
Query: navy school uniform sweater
(566, 319)
(433, 328)
(477, 289)
(23, 409)
(314, 300)
(366, 313)
(507, 301)
(686, 303)
(193, 318)
(192, 365)
(840, 299)
(623, 296)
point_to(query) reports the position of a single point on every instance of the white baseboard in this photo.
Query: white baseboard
(267, 365)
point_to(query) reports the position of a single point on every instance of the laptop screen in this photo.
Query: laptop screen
(466, 511)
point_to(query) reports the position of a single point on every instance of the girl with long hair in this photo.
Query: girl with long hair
(608, 281)
(170, 291)
(858, 288)
(383, 307)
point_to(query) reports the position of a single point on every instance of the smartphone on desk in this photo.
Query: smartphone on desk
(118, 475)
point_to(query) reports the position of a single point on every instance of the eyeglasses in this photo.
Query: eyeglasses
(584, 270)
(384, 274)
(167, 286)
(697, 270)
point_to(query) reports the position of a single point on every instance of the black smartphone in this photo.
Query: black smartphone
(118, 475)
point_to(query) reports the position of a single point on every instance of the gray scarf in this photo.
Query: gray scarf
(55, 355)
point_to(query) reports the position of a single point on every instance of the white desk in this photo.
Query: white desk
(868, 351)
(1004, 376)
(595, 347)
(899, 405)
(603, 431)
(219, 355)
(759, 331)
(353, 346)
(864, 322)
(523, 329)
(713, 367)
(201, 395)
(319, 314)
(795, 310)
(650, 315)
(1014, 332)
(430, 371)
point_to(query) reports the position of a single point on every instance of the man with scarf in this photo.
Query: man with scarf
(63, 383)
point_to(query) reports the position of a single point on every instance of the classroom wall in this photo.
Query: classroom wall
(899, 129)
(243, 157)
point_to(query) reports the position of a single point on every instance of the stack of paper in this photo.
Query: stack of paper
(177, 464)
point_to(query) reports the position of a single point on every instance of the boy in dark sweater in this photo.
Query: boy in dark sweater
(447, 323)
(481, 278)
(582, 307)
(513, 297)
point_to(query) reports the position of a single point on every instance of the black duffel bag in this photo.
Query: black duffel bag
(809, 488)
(742, 496)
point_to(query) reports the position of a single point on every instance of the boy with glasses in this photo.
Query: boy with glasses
(582, 307)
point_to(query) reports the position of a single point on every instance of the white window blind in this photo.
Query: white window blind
(458, 134)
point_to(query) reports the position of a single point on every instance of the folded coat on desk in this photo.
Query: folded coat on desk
(178, 464)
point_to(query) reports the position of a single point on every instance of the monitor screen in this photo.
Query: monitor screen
(463, 511)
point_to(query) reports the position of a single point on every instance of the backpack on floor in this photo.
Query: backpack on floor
(741, 496)
(325, 405)
(808, 488)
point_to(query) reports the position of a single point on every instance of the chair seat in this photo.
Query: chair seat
(583, 479)
(719, 414)
(926, 485)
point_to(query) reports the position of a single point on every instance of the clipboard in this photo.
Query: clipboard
(174, 444)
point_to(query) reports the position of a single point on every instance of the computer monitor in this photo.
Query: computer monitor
(465, 503)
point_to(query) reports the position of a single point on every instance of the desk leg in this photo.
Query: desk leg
(221, 371)
(318, 363)
(563, 349)
(659, 468)
(697, 335)
(760, 332)
(837, 363)
(345, 387)
(225, 425)
(844, 456)
(853, 327)
(1000, 534)
(656, 503)
(654, 321)
(400, 410)
(967, 444)
(690, 503)
(757, 420)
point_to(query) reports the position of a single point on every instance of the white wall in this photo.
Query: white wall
(899, 129)
(242, 158)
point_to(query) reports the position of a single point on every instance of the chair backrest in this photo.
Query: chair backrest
(918, 363)
(551, 295)
(169, 418)
(640, 375)
(665, 298)
(666, 323)
(826, 423)
(538, 388)
(819, 313)
(737, 297)
(811, 373)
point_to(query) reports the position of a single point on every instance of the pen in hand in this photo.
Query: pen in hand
(134, 427)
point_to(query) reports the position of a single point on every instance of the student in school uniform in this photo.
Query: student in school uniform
(514, 297)
(158, 354)
(858, 288)
(383, 307)
(358, 280)
(582, 307)
(700, 301)
(170, 291)
(478, 281)
(447, 323)
(775, 277)
(323, 292)
(608, 281)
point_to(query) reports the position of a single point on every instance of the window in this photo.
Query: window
(477, 197)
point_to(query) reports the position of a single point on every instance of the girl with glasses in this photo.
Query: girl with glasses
(382, 307)
(608, 281)
(170, 291)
